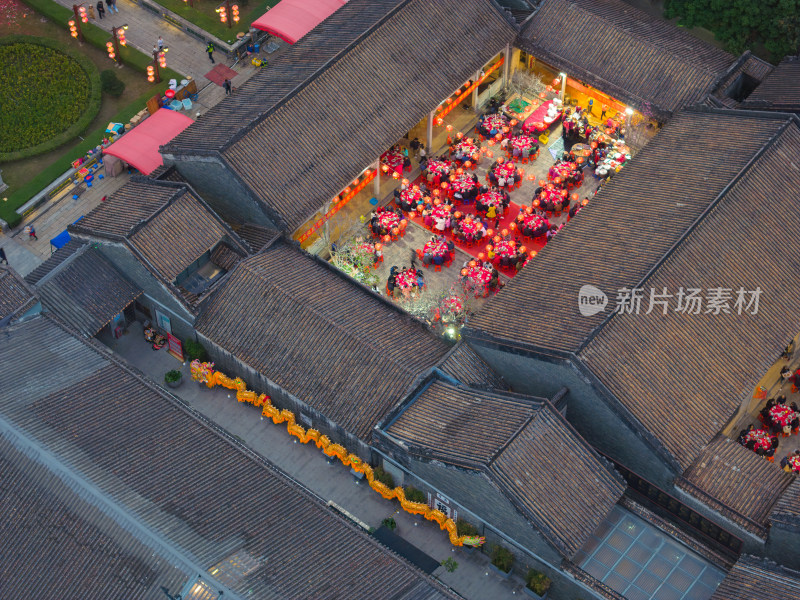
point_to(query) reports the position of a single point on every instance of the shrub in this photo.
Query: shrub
(111, 84)
(466, 528)
(415, 495)
(172, 376)
(502, 558)
(450, 564)
(384, 477)
(538, 582)
(389, 523)
(195, 351)
(51, 95)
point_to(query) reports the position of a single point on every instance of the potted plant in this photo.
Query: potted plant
(537, 584)
(502, 561)
(389, 523)
(173, 378)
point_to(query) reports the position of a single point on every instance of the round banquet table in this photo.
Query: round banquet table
(495, 122)
(794, 463)
(562, 170)
(524, 141)
(467, 147)
(761, 437)
(437, 248)
(532, 226)
(388, 220)
(506, 170)
(463, 183)
(470, 229)
(453, 304)
(406, 280)
(781, 415)
(557, 198)
(505, 248)
(477, 278)
(440, 212)
(490, 198)
(368, 248)
(412, 196)
(438, 167)
(394, 160)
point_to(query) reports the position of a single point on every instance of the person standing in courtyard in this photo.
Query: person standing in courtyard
(101, 10)
(112, 6)
(210, 50)
(227, 85)
(3, 258)
(31, 233)
(160, 44)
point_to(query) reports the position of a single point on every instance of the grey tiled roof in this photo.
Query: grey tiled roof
(752, 577)
(16, 297)
(320, 336)
(86, 291)
(630, 225)
(739, 479)
(519, 449)
(686, 375)
(169, 471)
(638, 58)
(781, 89)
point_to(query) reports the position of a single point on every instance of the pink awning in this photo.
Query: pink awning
(139, 146)
(290, 20)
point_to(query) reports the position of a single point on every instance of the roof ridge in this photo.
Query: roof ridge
(246, 127)
(63, 264)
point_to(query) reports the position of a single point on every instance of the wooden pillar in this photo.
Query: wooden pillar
(377, 189)
(563, 77)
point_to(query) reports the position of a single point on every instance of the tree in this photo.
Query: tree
(111, 84)
(742, 24)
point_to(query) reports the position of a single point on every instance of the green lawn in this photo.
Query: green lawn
(28, 177)
(204, 15)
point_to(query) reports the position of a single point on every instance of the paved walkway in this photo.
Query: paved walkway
(307, 465)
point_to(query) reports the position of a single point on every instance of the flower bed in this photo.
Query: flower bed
(51, 95)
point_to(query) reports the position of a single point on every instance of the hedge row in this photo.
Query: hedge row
(93, 101)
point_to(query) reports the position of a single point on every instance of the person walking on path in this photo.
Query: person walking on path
(112, 6)
(100, 9)
(160, 44)
(227, 85)
(3, 256)
(210, 50)
(31, 233)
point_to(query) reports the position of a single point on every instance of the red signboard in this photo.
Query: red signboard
(174, 347)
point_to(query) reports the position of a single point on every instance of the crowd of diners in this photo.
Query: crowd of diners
(778, 418)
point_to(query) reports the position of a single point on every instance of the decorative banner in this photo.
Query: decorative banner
(174, 347)
(349, 196)
(205, 373)
(471, 88)
(597, 95)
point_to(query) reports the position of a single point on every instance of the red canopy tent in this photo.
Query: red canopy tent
(290, 20)
(139, 146)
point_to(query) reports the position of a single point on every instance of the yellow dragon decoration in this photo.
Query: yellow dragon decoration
(205, 373)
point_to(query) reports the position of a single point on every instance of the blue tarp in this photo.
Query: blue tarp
(60, 240)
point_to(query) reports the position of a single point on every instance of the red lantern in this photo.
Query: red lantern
(489, 233)
(557, 180)
(385, 168)
(459, 171)
(476, 156)
(497, 239)
(531, 177)
(556, 81)
(529, 210)
(542, 182)
(522, 249)
(467, 164)
(481, 256)
(346, 190)
(491, 142)
(378, 247)
(574, 197)
(536, 203)
(585, 201)
(436, 202)
(500, 160)
(593, 145)
(490, 154)
(472, 263)
(499, 137)
(489, 247)
(504, 232)
(444, 185)
(512, 226)
(542, 95)
(387, 238)
(534, 253)
(405, 182)
(457, 215)
(395, 175)
(403, 223)
(464, 272)
(459, 135)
